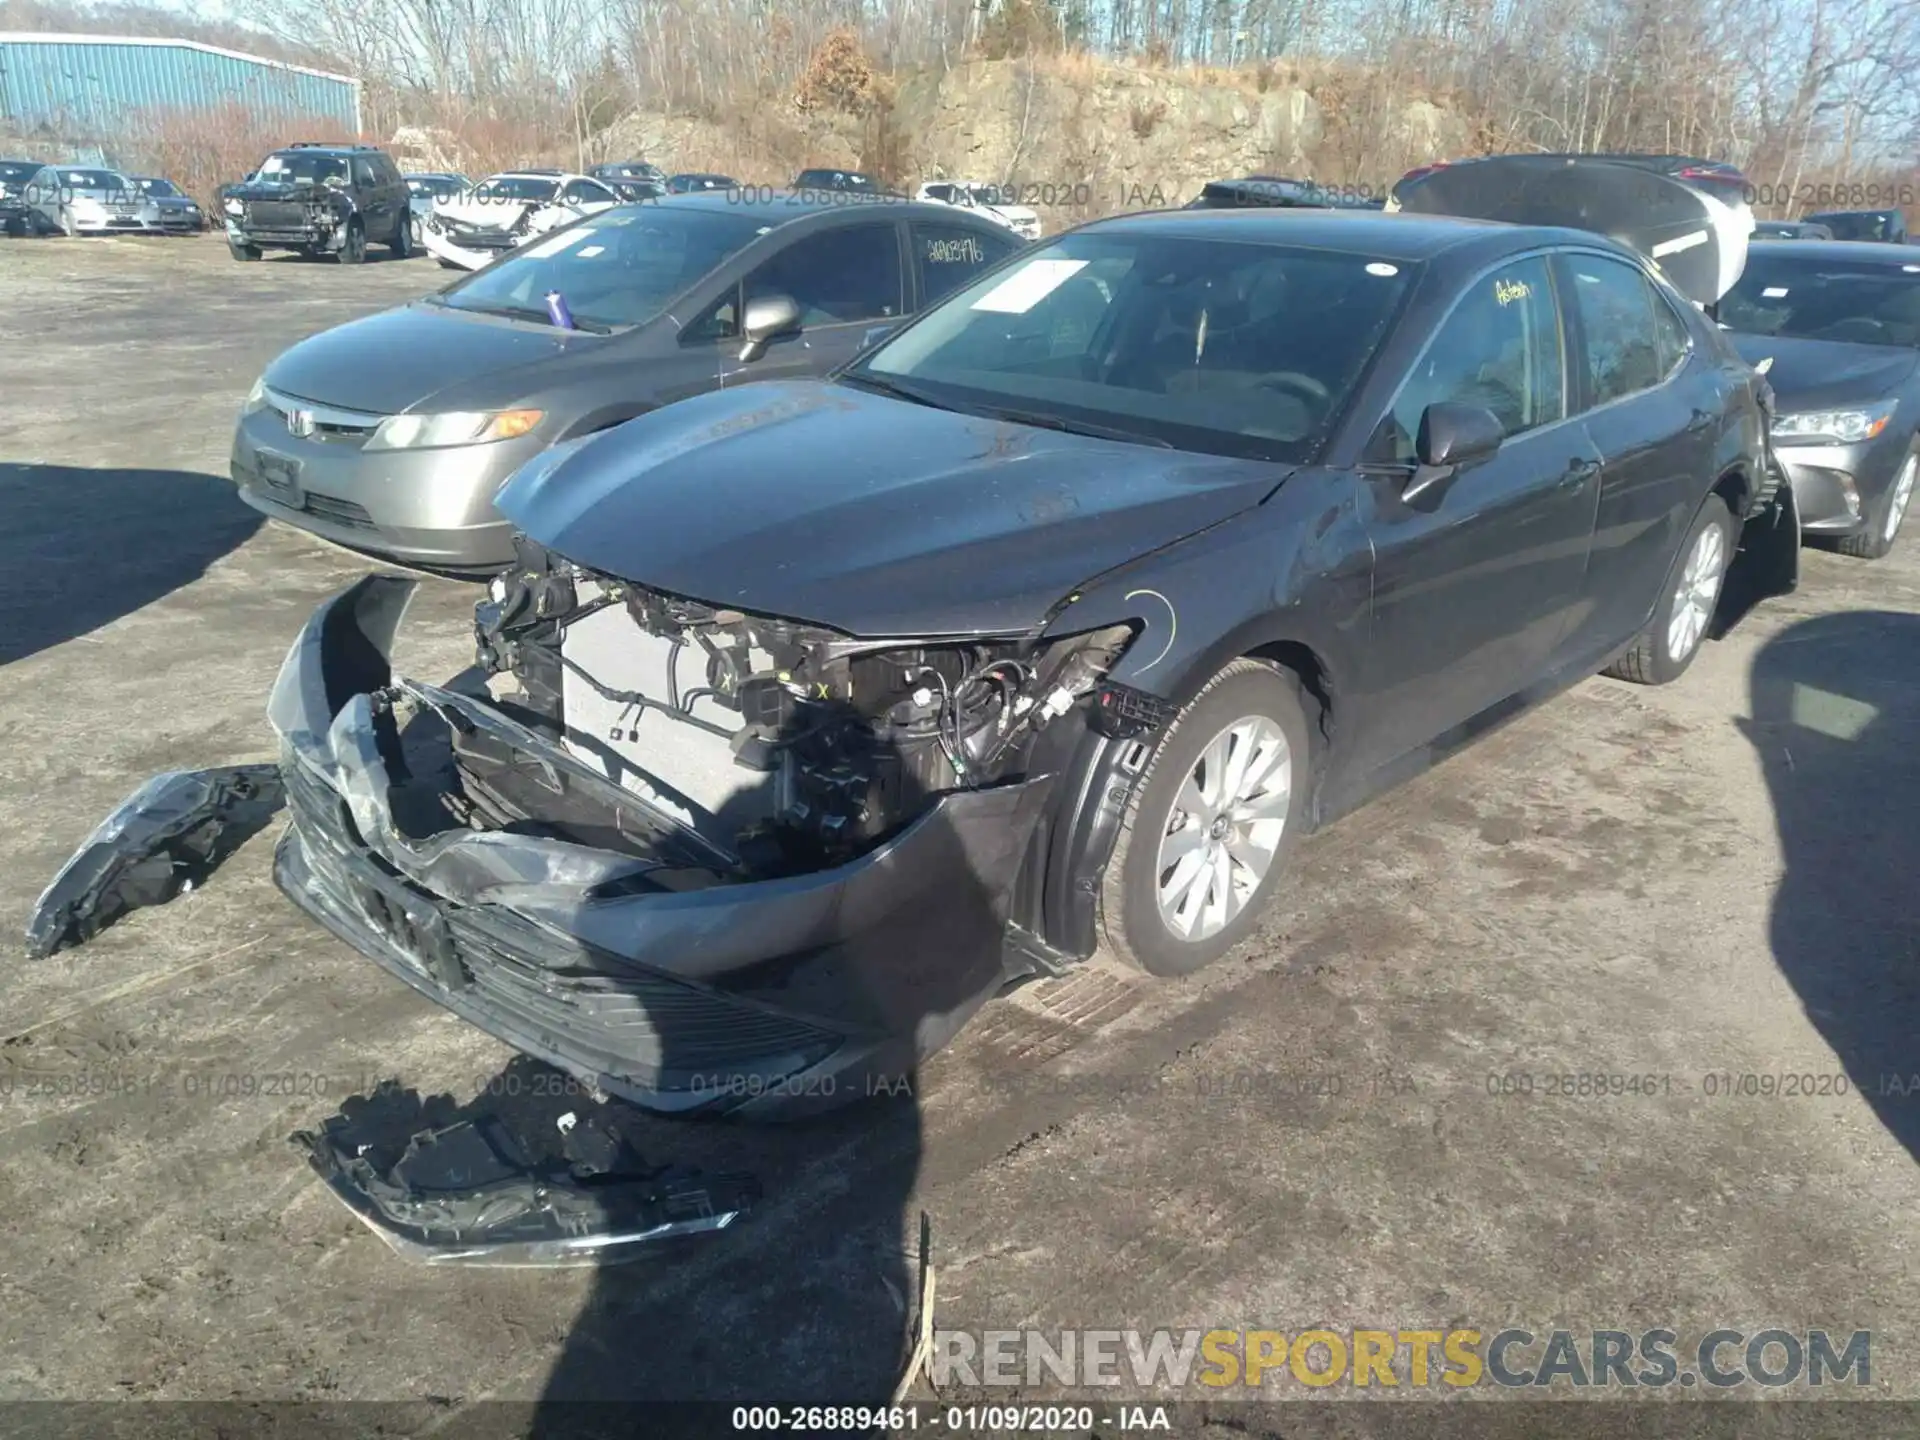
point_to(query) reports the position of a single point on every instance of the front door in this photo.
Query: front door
(1475, 580)
(846, 280)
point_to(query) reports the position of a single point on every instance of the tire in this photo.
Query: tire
(353, 249)
(1662, 652)
(1250, 701)
(1877, 540)
(450, 265)
(243, 252)
(401, 246)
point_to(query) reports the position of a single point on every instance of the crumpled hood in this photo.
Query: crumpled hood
(496, 214)
(398, 359)
(1821, 374)
(877, 517)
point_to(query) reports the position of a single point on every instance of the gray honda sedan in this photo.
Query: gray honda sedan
(391, 434)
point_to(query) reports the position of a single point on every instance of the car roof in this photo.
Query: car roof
(1395, 236)
(1855, 252)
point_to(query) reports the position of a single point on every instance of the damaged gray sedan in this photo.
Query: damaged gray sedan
(811, 716)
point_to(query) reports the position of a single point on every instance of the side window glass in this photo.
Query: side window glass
(1617, 314)
(719, 321)
(949, 256)
(1500, 348)
(836, 276)
(1671, 333)
(362, 173)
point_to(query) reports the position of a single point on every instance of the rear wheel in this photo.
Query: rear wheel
(401, 246)
(1210, 823)
(1878, 538)
(1664, 650)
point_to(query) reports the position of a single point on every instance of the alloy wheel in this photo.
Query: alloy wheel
(1224, 828)
(1698, 593)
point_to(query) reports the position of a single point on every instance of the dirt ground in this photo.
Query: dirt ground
(1707, 881)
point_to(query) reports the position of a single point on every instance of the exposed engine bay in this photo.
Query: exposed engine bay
(788, 747)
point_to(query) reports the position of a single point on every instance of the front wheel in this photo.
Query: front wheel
(1662, 652)
(353, 248)
(1877, 540)
(1210, 823)
(243, 252)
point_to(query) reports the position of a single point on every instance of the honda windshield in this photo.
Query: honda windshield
(1809, 298)
(619, 267)
(1224, 347)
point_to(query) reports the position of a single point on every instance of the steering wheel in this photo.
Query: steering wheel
(1292, 382)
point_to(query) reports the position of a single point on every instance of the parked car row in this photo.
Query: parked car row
(42, 199)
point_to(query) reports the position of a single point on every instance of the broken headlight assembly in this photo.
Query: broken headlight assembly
(855, 738)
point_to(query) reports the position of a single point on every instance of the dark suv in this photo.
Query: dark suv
(321, 200)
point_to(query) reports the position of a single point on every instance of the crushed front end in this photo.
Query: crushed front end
(287, 217)
(701, 860)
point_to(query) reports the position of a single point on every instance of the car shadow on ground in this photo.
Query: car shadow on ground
(811, 1296)
(81, 547)
(1835, 707)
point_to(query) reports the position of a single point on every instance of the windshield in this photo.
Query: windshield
(619, 267)
(1224, 347)
(302, 169)
(158, 187)
(440, 187)
(15, 171)
(91, 180)
(984, 194)
(517, 187)
(1826, 300)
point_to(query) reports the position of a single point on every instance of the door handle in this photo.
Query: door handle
(1578, 472)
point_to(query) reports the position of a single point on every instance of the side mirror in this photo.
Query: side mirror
(1451, 435)
(767, 319)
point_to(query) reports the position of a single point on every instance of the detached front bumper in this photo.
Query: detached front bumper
(756, 997)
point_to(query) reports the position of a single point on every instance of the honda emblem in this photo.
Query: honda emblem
(300, 423)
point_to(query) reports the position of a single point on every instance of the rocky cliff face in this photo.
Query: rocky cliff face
(1075, 137)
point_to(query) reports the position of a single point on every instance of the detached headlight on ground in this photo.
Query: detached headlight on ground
(1832, 427)
(234, 207)
(455, 427)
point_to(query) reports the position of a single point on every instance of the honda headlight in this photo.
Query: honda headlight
(256, 400)
(1832, 427)
(455, 427)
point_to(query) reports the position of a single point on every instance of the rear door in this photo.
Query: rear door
(947, 256)
(1653, 414)
(847, 280)
(1474, 582)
